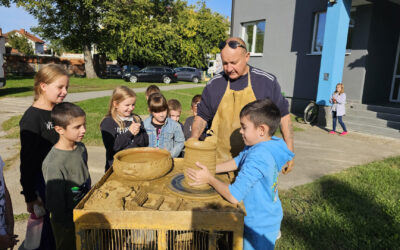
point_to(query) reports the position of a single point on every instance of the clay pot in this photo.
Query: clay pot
(142, 164)
(203, 152)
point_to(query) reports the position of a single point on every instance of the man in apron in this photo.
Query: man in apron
(228, 92)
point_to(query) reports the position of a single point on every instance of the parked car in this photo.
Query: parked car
(113, 71)
(128, 69)
(188, 74)
(153, 74)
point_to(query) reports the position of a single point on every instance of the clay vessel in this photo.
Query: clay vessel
(142, 164)
(203, 152)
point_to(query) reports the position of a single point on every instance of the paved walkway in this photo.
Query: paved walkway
(317, 152)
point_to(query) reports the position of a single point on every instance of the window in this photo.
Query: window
(319, 30)
(253, 34)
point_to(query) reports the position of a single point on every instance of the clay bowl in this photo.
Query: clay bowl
(142, 164)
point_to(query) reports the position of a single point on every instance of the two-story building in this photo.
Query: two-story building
(36, 43)
(311, 45)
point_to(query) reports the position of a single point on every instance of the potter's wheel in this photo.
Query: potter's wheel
(178, 187)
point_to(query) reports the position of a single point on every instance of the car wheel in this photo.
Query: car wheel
(195, 80)
(133, 79)
(166, 80)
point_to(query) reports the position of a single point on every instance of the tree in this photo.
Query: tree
(161, 32)
(74, 23)
(20, 43)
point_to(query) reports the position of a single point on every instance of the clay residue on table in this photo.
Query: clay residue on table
(119, 194)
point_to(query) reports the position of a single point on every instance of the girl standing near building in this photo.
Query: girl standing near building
(37, 137)
(338, 108)
(121, 129)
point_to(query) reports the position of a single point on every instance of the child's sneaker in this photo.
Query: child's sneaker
(344, 133)
(332, 132)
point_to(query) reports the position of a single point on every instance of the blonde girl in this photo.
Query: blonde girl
(37, 137)
(338, 108)
(120, 128)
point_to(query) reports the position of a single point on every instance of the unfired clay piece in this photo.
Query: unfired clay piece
(139, 164)
(199, 151)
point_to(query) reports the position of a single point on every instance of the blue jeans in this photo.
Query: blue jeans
(334, 116)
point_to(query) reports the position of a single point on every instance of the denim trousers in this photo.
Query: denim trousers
(334, 118)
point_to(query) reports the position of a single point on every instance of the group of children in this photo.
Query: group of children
(122, 129)
(54, 171)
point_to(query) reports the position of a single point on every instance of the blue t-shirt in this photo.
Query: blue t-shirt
(257, 184)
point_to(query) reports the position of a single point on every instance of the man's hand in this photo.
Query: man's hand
(199, 177)
(288, 168)
(8, 241)
(198, 127)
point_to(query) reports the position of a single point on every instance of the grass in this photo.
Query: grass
(358, 208)
(21, 217)
(23, 86)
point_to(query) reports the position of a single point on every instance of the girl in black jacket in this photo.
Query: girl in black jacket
(121, 129)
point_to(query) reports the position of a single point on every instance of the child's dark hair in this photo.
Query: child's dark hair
(196, 99)
(152, 89)
(157, 103)
(263, 112)
(174, 104)
(64, 112)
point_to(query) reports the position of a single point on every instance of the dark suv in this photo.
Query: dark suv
(188, 74)
(152, 74)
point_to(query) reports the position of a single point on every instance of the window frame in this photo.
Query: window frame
(254, 36)
(352, 25)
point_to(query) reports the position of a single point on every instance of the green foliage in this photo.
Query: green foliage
(150, 32)
(20, 43)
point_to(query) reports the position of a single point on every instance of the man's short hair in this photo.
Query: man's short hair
(152, 89)
(263, 112)
(174, 104)
(64, 112)
(196, 99)
(157, 103)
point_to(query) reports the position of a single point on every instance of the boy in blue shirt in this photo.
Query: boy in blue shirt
(256, 183)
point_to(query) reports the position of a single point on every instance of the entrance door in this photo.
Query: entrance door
(395, 92)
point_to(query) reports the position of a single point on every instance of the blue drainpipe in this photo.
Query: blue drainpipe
(334, 49)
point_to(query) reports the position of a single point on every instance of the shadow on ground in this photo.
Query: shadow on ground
(9, 91)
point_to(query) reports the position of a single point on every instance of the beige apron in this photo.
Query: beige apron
(226, 123)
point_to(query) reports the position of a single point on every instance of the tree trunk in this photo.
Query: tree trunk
(89, 66)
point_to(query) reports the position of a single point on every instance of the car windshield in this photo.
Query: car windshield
(144, 70)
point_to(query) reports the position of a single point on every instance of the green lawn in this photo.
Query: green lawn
(23, 86)
(358, 208)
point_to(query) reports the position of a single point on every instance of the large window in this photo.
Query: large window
(253, 35)
(319, 30)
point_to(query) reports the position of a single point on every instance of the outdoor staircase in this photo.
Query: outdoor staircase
(373, 119)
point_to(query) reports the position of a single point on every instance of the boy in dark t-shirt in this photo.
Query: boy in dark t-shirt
(65, 172)
(187, 128)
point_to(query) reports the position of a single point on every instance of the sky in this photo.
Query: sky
(15, 18)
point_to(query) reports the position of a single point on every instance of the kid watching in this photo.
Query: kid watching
(187, 128)
(151, 90)
(163, 132)
(121, 128)
(257, 181)
(175, 110)
(65, 172)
